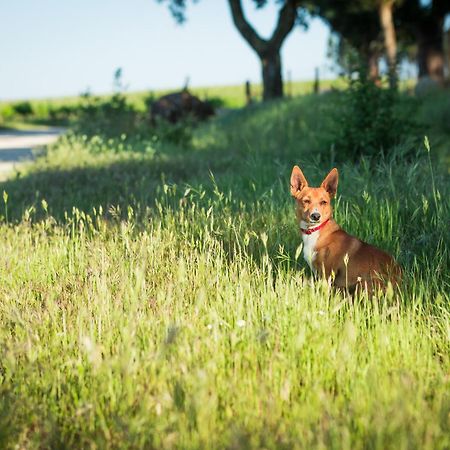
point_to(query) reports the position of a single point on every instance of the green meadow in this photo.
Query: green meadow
(231, 96)
(153, 294)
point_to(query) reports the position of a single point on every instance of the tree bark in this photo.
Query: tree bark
(370, 57)
(268, 51)
(390, 40)
(272, 76)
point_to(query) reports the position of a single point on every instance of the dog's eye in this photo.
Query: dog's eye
(323, 202)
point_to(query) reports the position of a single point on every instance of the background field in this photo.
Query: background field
(153, 295)
(46, 111)
(226, 96)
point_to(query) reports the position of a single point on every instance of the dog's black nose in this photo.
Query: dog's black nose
(315, 217)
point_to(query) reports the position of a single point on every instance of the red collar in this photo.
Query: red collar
(311, 230)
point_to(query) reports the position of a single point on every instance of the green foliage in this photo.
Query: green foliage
(109, 117)
(62, 115)
(6, 113)
(115, 118)
(217, 102)
(372, 120)
(24, 109)
(180, 133)
(154, 298)
(435, 111)
(356, 28)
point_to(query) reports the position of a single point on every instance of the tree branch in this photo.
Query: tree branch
(286, 21)
(247, 31)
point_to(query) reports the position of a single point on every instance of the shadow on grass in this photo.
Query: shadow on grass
(125, 180)
(136, 180)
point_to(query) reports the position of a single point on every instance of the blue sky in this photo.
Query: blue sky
(62, 47)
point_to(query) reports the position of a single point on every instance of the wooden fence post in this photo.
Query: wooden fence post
(248, 93)
(316, 81)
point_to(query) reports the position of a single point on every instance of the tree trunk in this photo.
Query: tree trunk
(368, 60)
(272, 76)
(390, 39)
(268, 50)
(430, 55)
(373, 70)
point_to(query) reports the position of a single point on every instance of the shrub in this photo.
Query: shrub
(115, 117)
(24, 109)
(179, 133)
(435, 111)
(62, 115)
(371, 120)
(6, 113)
(111, 117)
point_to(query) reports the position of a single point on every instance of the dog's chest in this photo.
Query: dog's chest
(309, 247)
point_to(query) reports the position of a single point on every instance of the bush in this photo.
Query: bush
(24, 109)
(115, 118)
(371, 120)
(109, 118)
(6, 113)
(62, 115)
(435, 111)
(179, 133)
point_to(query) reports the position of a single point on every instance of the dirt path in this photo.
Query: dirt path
(17, 146)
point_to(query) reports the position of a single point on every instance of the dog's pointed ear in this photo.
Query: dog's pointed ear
(298, 181)
(330, 183)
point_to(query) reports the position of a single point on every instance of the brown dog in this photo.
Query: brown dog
(328, 249)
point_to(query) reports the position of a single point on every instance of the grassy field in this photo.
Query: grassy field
(63, 111)
(152, 295)
(233, 96)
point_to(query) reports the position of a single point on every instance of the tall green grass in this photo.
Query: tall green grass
(153, 296)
